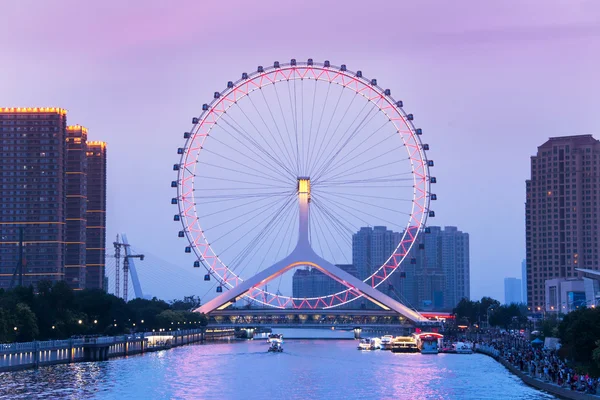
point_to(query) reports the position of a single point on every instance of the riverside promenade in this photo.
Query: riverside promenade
(17, 356)
(540, 384)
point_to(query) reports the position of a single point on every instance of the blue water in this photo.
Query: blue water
(307, 369)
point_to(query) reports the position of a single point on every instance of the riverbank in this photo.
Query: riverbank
(18, 356)
(534, 382)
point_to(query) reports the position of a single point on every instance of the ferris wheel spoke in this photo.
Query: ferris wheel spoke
(348, 230)
(281, 149)
(354, 173)
(325, 149)
(286, 178)
(333, 114)
(273, 153)
(294, 121)
(332, 222)
(312, 114)
(379, 179)
(311, 150)
(340, 161)
(277, 129)
(268, 166)
(256, 211)
(353, 133)
(354, 209)
(253, 201)
(324, 238)
(261, 175)
(254, 244)
(261, 184)
(257, 145)
(372, 205)
(344, 222)
(375, 197)
(289, 212)
(285, 122)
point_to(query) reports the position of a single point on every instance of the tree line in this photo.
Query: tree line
(578, 331)
(55, 311)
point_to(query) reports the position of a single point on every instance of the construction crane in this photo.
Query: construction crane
(126, 261)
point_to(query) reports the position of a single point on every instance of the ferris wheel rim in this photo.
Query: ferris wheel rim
(379, 97)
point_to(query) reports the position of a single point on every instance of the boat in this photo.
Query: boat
(462, 348)
(275, 347)
(375, 343)
(386, 342)
(428, 342)
(364, 344)
(275, 337)
(404, 344)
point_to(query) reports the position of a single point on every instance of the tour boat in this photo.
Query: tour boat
(404, 344)
(386, 342)
(275, 338)
(429, 342)
(275, 347)
(364, 344)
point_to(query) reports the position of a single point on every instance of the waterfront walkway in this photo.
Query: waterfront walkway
(16, 356)
(540, 368)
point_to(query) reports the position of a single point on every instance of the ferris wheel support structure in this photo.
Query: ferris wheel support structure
(304, 255)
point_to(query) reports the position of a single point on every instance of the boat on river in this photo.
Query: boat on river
(404, 344)
(275, 337)
(386, 342)
(369, 344)
(429, 342)
(275, 347)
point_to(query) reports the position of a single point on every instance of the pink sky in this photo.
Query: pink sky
(487, 81)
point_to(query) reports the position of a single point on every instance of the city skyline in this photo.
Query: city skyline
(114, 90)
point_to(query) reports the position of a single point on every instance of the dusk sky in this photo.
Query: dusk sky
(487, 82)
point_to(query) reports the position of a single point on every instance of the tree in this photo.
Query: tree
(26, 323)
(578, 332)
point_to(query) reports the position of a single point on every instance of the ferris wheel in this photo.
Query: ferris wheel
(281, 139)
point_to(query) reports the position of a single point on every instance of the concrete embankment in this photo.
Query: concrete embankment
(16, 356)
(533, 382)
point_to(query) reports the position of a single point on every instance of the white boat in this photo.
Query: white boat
(404, 344)
(429, 342)
(386, 342)
(375, 343)
(462, 348)
(364, 344)
(275, 338)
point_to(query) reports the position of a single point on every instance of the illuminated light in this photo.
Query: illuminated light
(95, 321)
(15, 328)
(44, 110)
(80, 322)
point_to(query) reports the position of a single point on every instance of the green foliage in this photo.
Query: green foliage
(579, 332)
(55, 311)
(474, 312)
(508, 316)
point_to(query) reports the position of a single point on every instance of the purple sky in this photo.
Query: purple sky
(487, 82)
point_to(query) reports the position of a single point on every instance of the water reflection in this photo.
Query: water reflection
(308, 369)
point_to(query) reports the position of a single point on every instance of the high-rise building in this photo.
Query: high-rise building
(524, 281)
(435, 274)
(512, 291)
(310, 282)
(96, 215)
(32, 193)
(76, 179)
(561, 212)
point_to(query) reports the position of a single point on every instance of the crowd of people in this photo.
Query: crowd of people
(541, 363)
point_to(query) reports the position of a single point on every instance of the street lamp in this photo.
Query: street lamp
(80, 322)
(95, 321)
(53, 327)
(15, 328)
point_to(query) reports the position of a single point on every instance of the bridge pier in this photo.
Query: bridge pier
(357, 332)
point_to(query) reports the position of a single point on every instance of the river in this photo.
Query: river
(307, 369)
